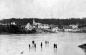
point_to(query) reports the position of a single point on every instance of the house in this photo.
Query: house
(71, 28)
(13, 23)
(74, 26)
(28, 27)
(44, 26)
(67, 28)
(55, 29)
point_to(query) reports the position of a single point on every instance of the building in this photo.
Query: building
(67, 28)
(28, 27)
(13, 23)
(44, 26)
(71, 28)
(55, 29)
(74, 26)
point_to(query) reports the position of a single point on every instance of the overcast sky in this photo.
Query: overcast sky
(42, 8)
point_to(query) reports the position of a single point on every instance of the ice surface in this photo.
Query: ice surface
(67, 44)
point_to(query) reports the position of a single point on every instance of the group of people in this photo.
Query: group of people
(34, 45)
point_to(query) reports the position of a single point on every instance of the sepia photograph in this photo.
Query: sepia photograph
(42, 27)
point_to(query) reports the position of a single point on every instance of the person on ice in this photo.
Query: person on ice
(46, 42)
(55, 45)
(33, 42)
(41, 44)
(34, 45)
(29, 46)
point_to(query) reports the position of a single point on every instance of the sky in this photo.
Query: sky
(42, 8)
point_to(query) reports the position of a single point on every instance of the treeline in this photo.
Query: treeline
(24, 21)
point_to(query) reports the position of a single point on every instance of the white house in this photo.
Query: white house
(74, 26)
(28, 27)
(13, 23)
(67, 28)
(55, 29)
(43, 26)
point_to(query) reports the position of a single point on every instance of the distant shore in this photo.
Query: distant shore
(26, 26)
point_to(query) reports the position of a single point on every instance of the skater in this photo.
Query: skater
(46, 42)
(55, 49)
(29, 47)
(35, 45)
(41, 44)
(22, 52)
(33, 42)
(55, 45)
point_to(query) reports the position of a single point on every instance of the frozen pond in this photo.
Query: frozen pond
(67, 44)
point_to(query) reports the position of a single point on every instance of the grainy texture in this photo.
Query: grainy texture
(67, 44)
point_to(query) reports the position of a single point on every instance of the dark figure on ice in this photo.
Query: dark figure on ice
(55, 49)
(46, 42)
(41, 44)
(29, 46)
(35, 45)
(55, 45)
(33, 42)
(22, 52)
